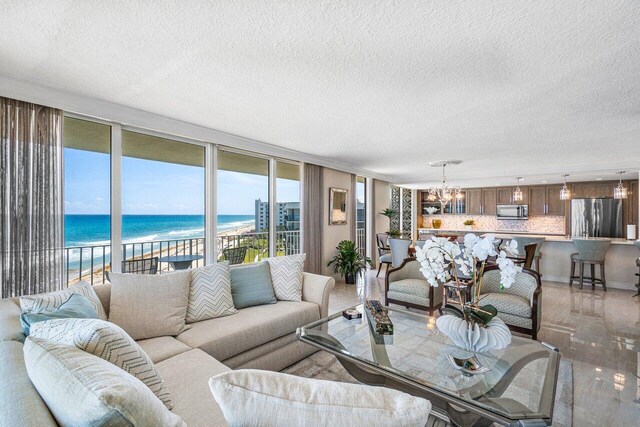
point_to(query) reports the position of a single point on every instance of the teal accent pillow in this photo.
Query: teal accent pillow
(251, 285)
(76, 307)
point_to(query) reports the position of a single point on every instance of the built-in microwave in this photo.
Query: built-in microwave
(512, 211)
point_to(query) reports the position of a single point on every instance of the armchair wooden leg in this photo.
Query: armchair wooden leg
(379, 268)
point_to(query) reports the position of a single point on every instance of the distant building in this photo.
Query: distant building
(287, 215)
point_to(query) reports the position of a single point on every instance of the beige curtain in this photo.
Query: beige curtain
(31, 202)
(313, 213)
(353, 212)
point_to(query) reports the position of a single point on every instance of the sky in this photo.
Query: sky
(151, 187)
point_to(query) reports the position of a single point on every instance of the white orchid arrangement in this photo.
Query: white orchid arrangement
(439, 258)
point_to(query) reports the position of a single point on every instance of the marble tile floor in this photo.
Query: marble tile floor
(598, 331)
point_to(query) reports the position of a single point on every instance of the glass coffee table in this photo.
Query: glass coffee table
(518, 390)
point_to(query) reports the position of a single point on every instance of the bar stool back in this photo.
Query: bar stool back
(399, 251)
(592, 252)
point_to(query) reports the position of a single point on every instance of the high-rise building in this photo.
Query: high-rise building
(287, 215)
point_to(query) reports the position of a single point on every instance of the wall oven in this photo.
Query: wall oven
(512, 211)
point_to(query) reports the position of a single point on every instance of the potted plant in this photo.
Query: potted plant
(468, 224)
(349, 263)
(470, 325)
(390, 213)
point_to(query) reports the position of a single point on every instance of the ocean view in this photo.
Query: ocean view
(90, 230)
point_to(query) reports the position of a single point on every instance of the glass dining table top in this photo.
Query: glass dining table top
(519, 385)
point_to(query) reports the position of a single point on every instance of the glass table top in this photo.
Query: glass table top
(520, 383)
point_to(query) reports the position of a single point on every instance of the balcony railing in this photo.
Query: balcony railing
(361, 241)
(91, 263)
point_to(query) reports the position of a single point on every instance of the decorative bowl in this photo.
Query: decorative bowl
(471, 337)
(468, 366)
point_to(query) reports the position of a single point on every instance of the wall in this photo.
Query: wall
(333, 234)
(536, 224)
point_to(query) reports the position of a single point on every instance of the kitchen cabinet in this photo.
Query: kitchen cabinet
(593, 190)
(632, 199)
(505, 195)
(555, 206)
(474, 201)
(537, 200)
(489, 199)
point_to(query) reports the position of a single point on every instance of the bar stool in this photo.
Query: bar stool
(399, 251)
(526, 241)
(592, 252)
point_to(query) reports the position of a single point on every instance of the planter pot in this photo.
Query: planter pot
(472, 337)
(468, 227)
(350, 279)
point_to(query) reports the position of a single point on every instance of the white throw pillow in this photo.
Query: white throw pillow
(109, 342)
(52, 300)
(210, 293)
(250, 397)
(287, 275)
(149, 306)
(81, 389)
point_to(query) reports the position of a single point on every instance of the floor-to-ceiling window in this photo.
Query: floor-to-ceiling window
(87, 200)
(163, 202)
(361, 214)
(287, 208)
(243, 207)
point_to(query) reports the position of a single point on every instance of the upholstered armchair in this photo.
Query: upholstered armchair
(405, 285)
(519, 306)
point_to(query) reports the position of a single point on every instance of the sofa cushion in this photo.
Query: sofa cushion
(251, 285)
(82, 389)
(225, 337)
(210, 293)
(76, 307)
(508, 303)
(20, 403)
(162, 348)
(52, 300)
(187, 376)
(148, 306)
(417, 287)
(109, 342)
(278, 399)
(286, 276)
(10, 328)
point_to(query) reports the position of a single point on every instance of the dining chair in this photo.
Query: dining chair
(384, 253)
(235, 255)
(140, 266)
(399, 250)
(524, 241)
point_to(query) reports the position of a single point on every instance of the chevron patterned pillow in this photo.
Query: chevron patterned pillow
(210, 293)
(52, 300)
(286, 276)
(109, 342)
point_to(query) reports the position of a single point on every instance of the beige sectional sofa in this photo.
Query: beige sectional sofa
(259, 337)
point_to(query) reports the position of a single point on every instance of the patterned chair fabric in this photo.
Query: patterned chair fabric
(399, 251)
(406, 284)
(507, 303)
(524, 286)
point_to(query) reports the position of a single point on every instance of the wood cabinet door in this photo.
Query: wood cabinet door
(474, 201)
(633, 203)
(525, 196)
(489, 199)
(537, 200)
(605, 189)
(555, 206)
(505, 195)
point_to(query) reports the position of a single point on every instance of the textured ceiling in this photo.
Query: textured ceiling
(509, 87)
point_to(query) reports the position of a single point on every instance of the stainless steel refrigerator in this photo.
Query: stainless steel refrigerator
(596, 218)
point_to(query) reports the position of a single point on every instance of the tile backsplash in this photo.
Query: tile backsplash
(535, 224)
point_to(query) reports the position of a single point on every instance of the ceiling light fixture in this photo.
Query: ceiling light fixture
(565, 194)
(444, 193)
(620, 192)
(517, 194)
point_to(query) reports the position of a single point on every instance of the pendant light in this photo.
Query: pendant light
(565, 194)
(620, 192)
(517, 194)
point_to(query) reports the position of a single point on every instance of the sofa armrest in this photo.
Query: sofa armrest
(316, 289)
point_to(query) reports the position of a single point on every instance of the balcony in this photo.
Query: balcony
(91, 263)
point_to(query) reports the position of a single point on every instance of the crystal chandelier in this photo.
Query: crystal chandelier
(517, 194)
(620, 192)
(565, 194)
(444, 194)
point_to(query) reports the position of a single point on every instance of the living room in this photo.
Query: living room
(314, 213)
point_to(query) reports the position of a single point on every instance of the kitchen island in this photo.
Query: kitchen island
(555, 265)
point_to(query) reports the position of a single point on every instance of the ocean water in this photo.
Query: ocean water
(90, 230)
